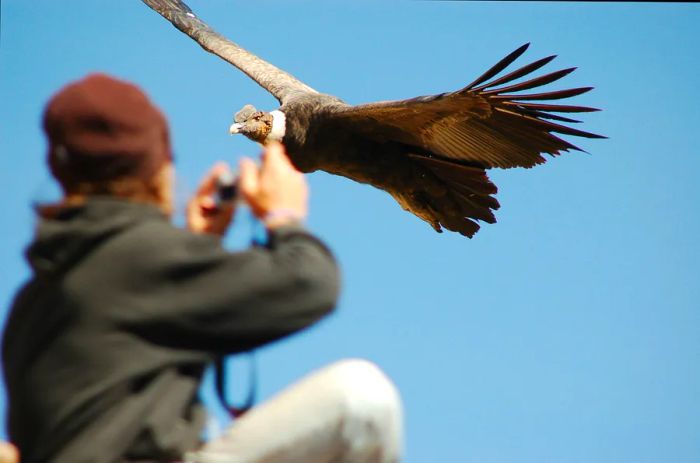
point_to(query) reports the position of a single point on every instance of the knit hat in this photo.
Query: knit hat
(101, 128)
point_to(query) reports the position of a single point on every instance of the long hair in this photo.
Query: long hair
(135, 189)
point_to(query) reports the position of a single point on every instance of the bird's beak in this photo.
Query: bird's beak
(235, 128)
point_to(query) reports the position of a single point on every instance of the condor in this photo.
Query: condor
(430, 153)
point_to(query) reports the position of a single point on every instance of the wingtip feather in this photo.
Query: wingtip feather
(498, 67)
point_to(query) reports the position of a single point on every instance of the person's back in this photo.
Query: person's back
(76, 363)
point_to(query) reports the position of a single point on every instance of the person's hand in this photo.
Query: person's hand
(203, 214)
(8, 453)
(276, 192)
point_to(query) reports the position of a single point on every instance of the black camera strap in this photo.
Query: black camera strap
(220, 382)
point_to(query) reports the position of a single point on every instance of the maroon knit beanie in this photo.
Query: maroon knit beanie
(100, 128)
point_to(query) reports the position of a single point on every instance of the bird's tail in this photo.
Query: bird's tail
(465, 193)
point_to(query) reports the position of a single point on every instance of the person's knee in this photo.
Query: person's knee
(373, 410)
(363, 384)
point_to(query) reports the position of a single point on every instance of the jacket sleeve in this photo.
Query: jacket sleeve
(185, 290)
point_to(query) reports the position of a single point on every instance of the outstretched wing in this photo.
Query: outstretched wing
(279, 83)
(448, 141)
(482, 124)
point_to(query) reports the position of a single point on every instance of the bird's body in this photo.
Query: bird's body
(430, 153)
(312, 139)
(305, 137)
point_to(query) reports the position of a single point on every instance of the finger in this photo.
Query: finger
(208, 184)
(274, 151)
(223, 217)
(207, 204)
(249, 177)
(286, 160)
(277, 159)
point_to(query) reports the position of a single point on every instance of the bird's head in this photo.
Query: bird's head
(259, 126)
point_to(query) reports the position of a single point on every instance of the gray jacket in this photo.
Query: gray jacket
(105, 346)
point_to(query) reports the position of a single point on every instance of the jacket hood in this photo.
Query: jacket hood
(63, 240)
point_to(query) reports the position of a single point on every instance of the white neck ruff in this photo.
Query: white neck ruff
(279, 126)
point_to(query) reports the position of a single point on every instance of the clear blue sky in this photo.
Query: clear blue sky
(568, 332)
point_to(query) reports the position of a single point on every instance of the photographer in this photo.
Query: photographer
(106, 344)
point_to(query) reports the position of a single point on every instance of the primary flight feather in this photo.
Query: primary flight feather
(430, 153)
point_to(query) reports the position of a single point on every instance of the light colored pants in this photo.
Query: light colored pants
(348, 412)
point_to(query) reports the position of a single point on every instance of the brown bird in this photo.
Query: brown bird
(430, 153)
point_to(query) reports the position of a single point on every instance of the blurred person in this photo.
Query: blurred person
(106, 344)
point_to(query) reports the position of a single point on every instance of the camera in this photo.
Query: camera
(226, 188)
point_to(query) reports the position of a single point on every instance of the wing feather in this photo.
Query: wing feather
(551, 107)
(517, 73)
(483, 123)
(532, 83)
(466, 196)
(556, 95)
(545, 115)
(498, 67)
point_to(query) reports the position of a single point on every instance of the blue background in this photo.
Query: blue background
(567, 332)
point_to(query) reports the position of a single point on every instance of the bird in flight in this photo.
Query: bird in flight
(429, 153)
